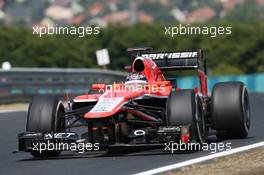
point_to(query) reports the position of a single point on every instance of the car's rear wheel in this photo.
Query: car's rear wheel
(230, 110)
(45, 114)
(183, 108)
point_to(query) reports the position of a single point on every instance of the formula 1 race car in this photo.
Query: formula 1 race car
(145, 111)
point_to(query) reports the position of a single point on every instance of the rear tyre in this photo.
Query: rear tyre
(230, 110)
(45, 115)
(183, 109)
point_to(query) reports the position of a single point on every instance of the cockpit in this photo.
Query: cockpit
(136, 80)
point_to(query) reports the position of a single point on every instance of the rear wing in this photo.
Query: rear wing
(172, 60)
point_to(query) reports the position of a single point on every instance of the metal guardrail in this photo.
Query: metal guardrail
(20, 84)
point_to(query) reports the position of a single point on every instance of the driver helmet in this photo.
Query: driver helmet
(136, 76)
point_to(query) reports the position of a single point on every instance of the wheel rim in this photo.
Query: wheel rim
(199, 122)
(246, 109)
(60, 122)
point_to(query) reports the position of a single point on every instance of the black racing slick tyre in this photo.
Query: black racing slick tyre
(45, 114)
(183, 109)
(230, 110)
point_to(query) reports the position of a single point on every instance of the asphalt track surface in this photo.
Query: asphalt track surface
(99, 163)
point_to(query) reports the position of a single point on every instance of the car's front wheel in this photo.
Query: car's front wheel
(45, 114)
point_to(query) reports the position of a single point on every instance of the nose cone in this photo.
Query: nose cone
(110, 103)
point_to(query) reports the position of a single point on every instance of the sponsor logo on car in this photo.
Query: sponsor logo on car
(172, 55)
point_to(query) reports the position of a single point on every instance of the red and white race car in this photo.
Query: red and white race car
(144, 111)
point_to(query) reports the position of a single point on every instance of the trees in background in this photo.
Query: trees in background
(240, 52)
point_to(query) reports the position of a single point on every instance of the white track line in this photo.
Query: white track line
(12, 110)
(201, 159)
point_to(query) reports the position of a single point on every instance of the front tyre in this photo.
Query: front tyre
(45, 114)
